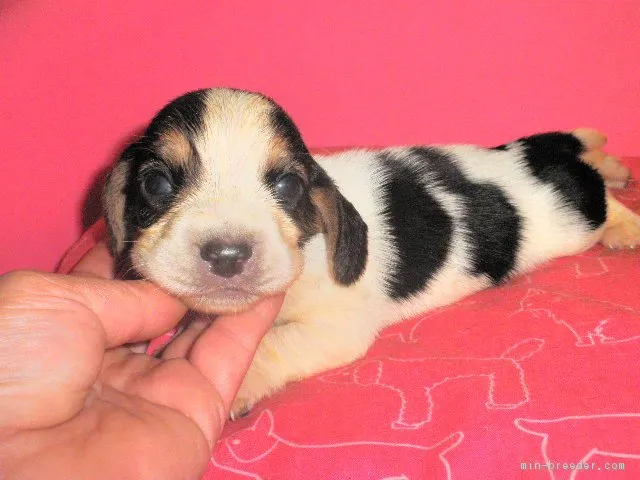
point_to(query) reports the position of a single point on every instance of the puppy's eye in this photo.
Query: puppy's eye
(157, 186)
(289, 188)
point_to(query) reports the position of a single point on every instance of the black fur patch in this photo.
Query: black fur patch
(184, 114)
(494, 226)
(284, 127)
(423, 230)
(287, 130)
(553, 158)
(420, 227)
(492, 222)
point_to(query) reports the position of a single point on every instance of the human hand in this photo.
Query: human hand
(75, 403)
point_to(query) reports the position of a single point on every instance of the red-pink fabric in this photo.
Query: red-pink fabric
(544, 369)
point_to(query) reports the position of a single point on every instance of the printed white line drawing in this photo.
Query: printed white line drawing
(413, 336)
(257, 451)
(591, 323)
(591, 267)
(575, 439)
(414, 379)
(588, 265)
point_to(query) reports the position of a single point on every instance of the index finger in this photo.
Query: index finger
(125, 311)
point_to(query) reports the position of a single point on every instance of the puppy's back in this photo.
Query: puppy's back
(447, 221)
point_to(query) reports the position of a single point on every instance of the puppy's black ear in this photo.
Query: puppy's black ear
(345, 230)
(113, 203)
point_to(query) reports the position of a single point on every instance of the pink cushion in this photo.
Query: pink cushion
(543, 369)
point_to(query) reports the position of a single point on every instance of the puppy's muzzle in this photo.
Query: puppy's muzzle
(225, 259)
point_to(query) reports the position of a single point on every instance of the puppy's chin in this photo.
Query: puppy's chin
(224, 302)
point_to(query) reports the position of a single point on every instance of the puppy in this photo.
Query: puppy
(221, 204)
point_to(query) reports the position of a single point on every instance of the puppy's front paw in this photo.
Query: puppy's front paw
(253, 389)
(240, 407)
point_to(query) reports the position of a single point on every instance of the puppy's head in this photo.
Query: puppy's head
(216, 201)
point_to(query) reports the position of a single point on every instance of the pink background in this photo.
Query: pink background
(78, 78)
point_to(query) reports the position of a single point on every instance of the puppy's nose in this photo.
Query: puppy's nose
(226, 260)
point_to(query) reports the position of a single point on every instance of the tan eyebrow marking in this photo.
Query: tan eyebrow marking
(280, 157)
(174, 147)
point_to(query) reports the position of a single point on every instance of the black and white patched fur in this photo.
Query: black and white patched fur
(221, 204)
